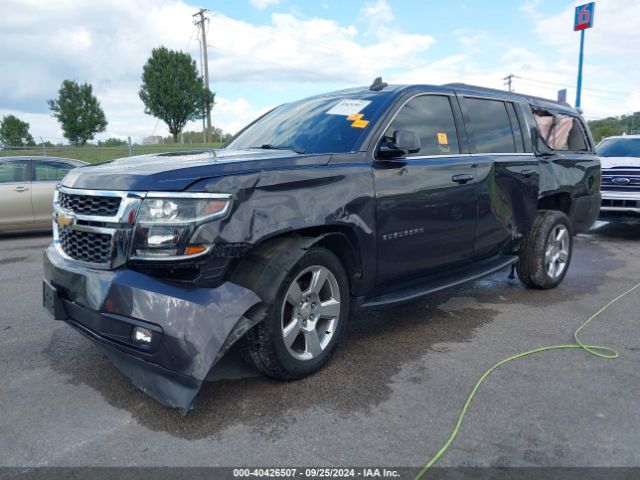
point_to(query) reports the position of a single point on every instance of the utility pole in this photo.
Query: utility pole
(203, 36)
(508, 81)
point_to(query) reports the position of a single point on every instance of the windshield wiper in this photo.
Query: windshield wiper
(268, 146)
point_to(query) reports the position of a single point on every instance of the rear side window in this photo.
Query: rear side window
(14, 172)
(561, 132)
(431, 117)
(491, 126)
(46, 171)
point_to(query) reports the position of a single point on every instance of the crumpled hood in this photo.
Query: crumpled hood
(611, 162)
(175, 171)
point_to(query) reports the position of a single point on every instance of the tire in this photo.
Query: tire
(546, 252)
(273, 347)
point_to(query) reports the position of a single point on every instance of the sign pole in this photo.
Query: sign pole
(579, 87)
(583, 19)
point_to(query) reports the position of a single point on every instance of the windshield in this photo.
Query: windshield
(327, 124)
(619, 147)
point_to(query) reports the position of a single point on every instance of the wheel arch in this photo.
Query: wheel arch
(285, 249)
(560, 201)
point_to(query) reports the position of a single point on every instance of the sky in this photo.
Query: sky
(266, 52)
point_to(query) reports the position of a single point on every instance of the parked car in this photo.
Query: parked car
(340, 202)
(26, 190)
(620, 157)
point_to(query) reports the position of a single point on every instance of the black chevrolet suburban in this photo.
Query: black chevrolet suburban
(344, 201)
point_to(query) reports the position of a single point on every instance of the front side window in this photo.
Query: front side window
(431, 117)
(619, 147)
(490, 124)
(14, 172)
(47, 171)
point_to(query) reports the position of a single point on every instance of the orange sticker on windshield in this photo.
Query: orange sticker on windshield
(442, 138)
(356, 118)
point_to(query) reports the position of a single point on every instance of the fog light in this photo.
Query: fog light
(142, 335)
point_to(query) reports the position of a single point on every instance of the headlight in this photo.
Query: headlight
(166, 222)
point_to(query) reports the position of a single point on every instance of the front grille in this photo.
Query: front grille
(619, 174)
(89, 204)
(85, 246)
(606, 202)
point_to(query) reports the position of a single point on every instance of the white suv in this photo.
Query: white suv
(620, 159)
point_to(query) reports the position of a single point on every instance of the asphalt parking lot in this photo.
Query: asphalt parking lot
(390, 396)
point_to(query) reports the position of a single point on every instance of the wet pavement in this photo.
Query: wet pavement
(390, 396)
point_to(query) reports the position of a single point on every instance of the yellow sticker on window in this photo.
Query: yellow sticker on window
(442, 138)
(356, 118)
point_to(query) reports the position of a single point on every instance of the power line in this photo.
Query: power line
(551, 88)
(194, 30)
(611, 92)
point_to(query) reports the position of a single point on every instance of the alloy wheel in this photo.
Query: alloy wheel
(310, 312)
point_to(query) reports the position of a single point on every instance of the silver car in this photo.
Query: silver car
(26, 190)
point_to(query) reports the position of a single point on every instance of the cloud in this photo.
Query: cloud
(326, 52)
(530, 7)
(107, 42)
(233, 113)
(610, 47)
(615, 28)
(378, 12)
(262, 4)
(468, 39)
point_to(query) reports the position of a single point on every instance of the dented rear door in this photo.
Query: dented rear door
(507, 172)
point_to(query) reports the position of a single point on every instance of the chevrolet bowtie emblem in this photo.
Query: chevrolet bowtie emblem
(65, 220)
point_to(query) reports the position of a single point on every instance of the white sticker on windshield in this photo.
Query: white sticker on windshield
(348, 107)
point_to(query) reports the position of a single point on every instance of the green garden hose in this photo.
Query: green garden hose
(597, 350)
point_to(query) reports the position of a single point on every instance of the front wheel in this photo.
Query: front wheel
(305, 320)
(546, 252)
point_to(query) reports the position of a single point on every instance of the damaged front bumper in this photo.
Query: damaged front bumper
(190, 328)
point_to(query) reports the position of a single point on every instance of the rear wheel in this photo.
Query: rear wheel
(305, 320)
(545, 254)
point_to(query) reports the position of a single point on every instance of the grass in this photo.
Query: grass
(96, 154)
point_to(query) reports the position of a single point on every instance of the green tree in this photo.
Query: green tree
(217, 134)
(602, 131)
(15, 132)
(607, 127)
(113, 142)
(172, 90)
(78, 112)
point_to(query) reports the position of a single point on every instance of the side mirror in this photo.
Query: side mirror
(403, 143)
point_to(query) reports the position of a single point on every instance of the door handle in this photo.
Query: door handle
(21, 189)
(462, 178)
(527, 173)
